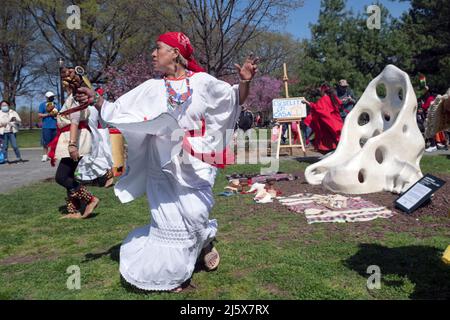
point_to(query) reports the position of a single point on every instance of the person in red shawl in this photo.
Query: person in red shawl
(325, 120)
(176, 174)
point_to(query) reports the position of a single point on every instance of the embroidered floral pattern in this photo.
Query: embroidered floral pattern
(175, 99)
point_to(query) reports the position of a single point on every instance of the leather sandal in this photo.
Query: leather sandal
(211, 259)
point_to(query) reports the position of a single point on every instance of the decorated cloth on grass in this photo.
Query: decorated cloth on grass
(334, 208)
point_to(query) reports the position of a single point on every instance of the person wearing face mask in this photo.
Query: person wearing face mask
(9, 126)
(47, 112)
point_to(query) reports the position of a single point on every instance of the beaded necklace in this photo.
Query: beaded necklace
(175, 99)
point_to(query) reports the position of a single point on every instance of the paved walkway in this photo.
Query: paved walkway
(16, 175)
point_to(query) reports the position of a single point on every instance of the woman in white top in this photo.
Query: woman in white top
(73, 141)
(9, 126)
(177, 128)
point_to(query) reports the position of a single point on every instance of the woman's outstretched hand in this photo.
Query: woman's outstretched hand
(85, 95)
(249, 68)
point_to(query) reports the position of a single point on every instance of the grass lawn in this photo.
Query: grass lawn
(266, 254)
(29, 138)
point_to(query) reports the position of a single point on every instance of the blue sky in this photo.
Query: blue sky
(299, 20)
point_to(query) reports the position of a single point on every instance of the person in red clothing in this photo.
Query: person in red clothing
(325, 120)
(439, 141)
(427, 99)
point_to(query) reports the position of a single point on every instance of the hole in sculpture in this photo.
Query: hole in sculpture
(376, 133)
(405, 128)
(381, 91)
(400, 94)
(362, 141)
(379, 155)
(386, 116)
(361, 176)
(363, 119)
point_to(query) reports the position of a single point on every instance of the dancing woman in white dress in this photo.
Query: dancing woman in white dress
(175, 171)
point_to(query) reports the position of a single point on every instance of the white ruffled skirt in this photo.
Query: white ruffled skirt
(162, 256)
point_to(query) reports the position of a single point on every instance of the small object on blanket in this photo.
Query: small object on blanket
(267, 198)
(270, 188)
(334, 202)
(234, 186)
(334, 208)
(262, 196)
(446, 256)
(274, 177)
(227, 194)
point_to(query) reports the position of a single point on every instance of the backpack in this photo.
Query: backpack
(245, 120)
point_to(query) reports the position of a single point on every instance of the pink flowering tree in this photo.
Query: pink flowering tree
(263, 90)
(120, 80)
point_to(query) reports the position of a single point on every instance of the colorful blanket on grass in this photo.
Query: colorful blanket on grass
(334, 208)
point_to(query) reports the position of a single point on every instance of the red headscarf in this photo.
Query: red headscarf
(181, 41)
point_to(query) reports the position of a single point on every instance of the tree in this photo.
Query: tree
(264, 90)
(274, 49)
(342, 46)
(18, 49)
(122, 79)
(219, 29)
(427, 26)
(112, 31)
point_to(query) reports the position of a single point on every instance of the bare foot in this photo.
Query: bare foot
(109, 182)
(90, 207)
(72, 216)
(177, 290)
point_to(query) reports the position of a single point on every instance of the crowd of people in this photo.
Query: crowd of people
(163, 254)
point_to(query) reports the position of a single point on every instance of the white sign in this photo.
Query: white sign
(410, 198)
(289, 108)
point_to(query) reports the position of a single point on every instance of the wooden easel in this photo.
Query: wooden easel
(289, 122)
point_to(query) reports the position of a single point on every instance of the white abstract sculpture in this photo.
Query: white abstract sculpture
(381, 154)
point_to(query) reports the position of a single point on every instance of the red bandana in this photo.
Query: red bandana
(181, 41)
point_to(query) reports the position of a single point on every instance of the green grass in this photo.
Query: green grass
(29, 138)
(266, 254)
(433, 164)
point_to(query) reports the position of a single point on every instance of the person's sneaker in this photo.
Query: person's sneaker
(431, 149)
(441, 146)
(44, 158)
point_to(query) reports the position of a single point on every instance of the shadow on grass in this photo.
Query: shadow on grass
(113, 253)
(422, 265)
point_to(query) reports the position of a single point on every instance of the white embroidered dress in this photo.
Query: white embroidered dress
(97, 163)
(162, 255)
